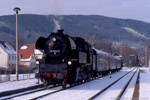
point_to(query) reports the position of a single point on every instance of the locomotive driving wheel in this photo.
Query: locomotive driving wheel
(64, 83)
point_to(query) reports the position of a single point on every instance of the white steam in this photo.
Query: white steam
(57, 25)
(56, 9)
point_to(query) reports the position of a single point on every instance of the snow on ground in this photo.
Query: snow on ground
(145, 84)
(13, 85)
(36, 94)
(7, 86)
(130, 89)
(115, 90)
(87, 90)
(135, 33)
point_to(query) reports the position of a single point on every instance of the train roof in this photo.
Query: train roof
(106, 54)
(101, 52)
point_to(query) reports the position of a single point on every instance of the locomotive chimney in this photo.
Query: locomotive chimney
(60, 31)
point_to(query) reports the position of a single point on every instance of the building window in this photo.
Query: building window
(9, 57)
(12, 57)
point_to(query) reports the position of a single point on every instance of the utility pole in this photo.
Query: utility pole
(16, 9)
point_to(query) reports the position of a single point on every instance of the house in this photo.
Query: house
(27, 55)
(38, 54)
(7, 55)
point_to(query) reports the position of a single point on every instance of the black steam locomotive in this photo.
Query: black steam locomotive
(68, 60)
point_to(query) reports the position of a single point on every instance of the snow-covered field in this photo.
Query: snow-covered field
(84, 91)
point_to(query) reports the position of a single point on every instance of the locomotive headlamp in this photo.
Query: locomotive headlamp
(54, 39)
(37, 62)
(69, 62)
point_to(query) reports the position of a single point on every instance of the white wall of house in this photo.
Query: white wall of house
(11, 60)
(6, 59)
(25, 63)
(30, 62)
(38, 54)
(3, 58)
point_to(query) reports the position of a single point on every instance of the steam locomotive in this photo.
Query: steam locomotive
(68, 60)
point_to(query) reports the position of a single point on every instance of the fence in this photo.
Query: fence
(24, 73)
(12, 77)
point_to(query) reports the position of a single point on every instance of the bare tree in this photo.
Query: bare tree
(129, 55)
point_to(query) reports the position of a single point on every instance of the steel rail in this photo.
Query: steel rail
(27, 92)
(103, 90)
(125, 87)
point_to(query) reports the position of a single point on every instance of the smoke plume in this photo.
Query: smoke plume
(56, 7)
(57, 25)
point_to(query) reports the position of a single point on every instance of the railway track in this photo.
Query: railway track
(49, 93)
(42, 92)
(21, 93)
(40, 97)
(126, 86)
(51, 89)
(58, 90)
(122, 90)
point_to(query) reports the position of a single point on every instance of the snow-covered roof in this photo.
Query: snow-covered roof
(8, 48)
(106, 54)
(37, 52)
(117, 57)
(101, 52)
(24, 47)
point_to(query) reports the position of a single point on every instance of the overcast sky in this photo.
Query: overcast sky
(130, 9)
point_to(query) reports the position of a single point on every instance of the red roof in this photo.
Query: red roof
(26, 51)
